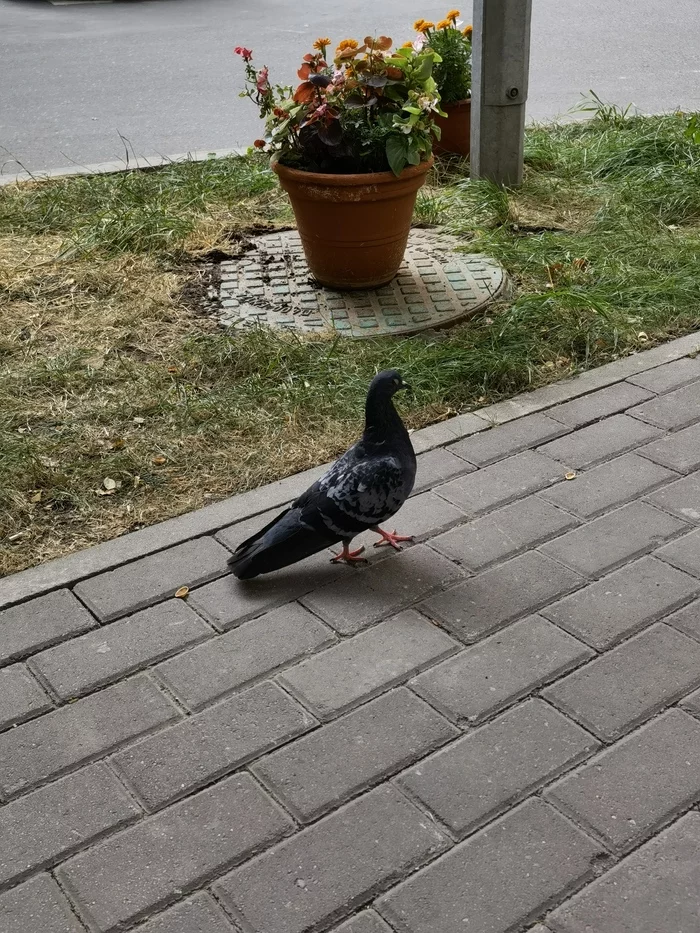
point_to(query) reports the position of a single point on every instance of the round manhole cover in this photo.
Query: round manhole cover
(435, 286)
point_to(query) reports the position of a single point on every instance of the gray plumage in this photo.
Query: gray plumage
(362, 489)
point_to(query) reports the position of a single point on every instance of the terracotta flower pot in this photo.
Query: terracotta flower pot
(354, 228)
(456, 128)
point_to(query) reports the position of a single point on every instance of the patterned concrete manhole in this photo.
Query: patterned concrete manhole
(435, 286)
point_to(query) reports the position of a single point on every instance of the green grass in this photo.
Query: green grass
(602, 242)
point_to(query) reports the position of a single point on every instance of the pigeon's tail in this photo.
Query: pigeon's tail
(281, 543)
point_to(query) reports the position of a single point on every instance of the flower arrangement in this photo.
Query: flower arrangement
(453, 72)
(368, 109)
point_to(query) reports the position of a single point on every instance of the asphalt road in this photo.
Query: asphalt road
(161, 73)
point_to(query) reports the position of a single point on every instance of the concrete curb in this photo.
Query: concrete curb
(74, 567)
(118, 165)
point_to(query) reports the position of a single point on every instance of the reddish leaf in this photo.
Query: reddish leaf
(304, 93)
(304, 72)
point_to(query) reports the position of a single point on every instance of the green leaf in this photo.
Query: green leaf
(396, 154)
(413, 155)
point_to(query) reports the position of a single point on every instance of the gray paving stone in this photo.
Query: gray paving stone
(199, 914)
(674, 410)
(500, 670)
(359, 668)
(687, 620)
(679, 451)
(63, 740)
(692, 703)
(512, 438)
(38, 906)
(324, 769)
(601, 441)
(436, 435)
(152, 579)
(502, 482)
(498, 879)
(366, 922)
(113, 651)
(613, 539)
(632, 789)
(385, 588)
(622, 603)
(654, 890)
(477, 778)
(517, 588)
(598, 405)
(503, 533)
(681, 498)
(41, 622)
(147, 866)
(328, 870)
(228, 602)
(627, 685)
(438, 466)
(55, 821)
(202, 748)
(611, 484)
(244, 655)
(21, 697)
(683, 553)
(668, 377)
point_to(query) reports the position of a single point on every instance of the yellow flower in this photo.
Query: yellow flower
(467, 31)
(426, 26)
(407, 45)
(347, 44)
(418, 25)
(444, 24)
(453, 15)
(321, 44)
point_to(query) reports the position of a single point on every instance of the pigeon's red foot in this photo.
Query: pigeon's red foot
(349, 557)
(390, 537)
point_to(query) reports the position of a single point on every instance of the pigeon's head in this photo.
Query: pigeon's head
(387, 383)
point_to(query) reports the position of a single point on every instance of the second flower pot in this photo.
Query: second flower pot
(456, 128)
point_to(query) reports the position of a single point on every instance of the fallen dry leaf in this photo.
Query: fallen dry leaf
(36, 497)
(182, 592)
(117, 443)
(139, 420)
(570, 475)
(159, 461)
(109, 483)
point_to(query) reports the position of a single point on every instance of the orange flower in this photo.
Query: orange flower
(321, 44)
(347, 44)
(418, 25)
(426, 26)
(407, 45)
(453, 15)
(467, 32)
(444, 24)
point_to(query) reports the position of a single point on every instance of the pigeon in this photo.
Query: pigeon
(361, 490)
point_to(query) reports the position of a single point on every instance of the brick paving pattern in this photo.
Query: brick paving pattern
(495, 731)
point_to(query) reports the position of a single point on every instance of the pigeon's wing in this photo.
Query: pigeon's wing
(363, 494)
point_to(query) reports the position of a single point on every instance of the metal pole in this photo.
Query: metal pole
(500, 60)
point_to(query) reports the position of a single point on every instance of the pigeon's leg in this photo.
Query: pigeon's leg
(390, 537)
(348, 556)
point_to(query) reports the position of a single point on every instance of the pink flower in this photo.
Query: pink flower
(338, 77)
(419, 42)
(246, 54)
(262, 83)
